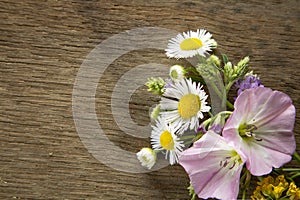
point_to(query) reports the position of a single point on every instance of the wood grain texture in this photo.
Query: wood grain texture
(42, 45)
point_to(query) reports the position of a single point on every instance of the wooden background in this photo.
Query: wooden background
(42, 45)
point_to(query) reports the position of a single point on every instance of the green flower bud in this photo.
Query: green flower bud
(156, 85)
(155, 112)
(215, 60)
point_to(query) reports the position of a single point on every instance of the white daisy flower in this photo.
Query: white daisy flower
(183, 104)
(190, 44)
(163, 138)
(177, 72)
(147, 157)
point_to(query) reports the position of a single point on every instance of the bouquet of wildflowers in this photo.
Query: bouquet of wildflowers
(221, 141)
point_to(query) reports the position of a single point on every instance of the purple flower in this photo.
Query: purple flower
(217, 128)
(168, 84)
(261, 126)
(201, 129)
(214, 167)
(248, 82)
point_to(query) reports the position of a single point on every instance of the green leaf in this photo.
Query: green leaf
(225, 58)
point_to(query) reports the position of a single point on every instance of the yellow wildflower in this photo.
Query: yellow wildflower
(293, 192)
(270, 188)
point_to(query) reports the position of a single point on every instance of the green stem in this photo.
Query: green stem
(223, 91)
(220, 95)
(244, 195)
(156, 151)
(284, 198)
(212, 118)
(225, 112)
(290, 169)
(206, 122)
(296, 156)
(260, 178)
(243, 177)
(193, 197)
(247, 177)
(197, 137)
(193, 71)
(223, 97)
(228, 86)
(229, 105)
(187, 142)
(187, 137)
(201, 59)
(216, 89)
(295, 176)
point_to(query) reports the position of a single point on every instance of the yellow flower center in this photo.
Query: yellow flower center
(189, 105)
(166, 140)
(145, 158)
(236, 157)
(247, 132)
(191, 44)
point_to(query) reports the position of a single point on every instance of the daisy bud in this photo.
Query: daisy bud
(177, 72)
(147, 157)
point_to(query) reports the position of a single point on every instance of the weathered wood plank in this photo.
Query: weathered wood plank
(42, 45)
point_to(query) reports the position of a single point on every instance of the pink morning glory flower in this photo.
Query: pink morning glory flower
(214, 167)
(261, 126)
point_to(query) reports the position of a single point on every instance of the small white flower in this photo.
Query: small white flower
(147, 157)
(190, 44)
(177, 72)
(163, 138)
(183, 104)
